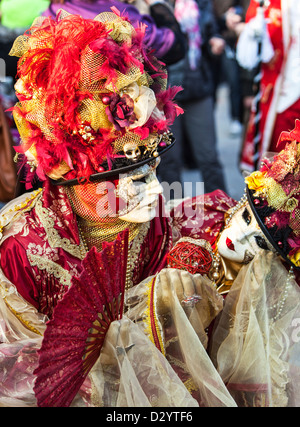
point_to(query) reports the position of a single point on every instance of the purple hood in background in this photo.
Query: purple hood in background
(158, 39)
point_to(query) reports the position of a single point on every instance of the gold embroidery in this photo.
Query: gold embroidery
(171, 341)
(173, 360)
(147, 318)
(134, 251)
(54, 239)
(135, 244)
(51, 267)
(17, 210)
(95, 234)
(190, 385)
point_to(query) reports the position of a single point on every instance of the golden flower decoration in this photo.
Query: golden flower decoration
(295, 258)
(256, 181)
(120, 30)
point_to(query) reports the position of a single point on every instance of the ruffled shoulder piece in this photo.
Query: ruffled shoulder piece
(15, 209)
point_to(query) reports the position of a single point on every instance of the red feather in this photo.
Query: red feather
(165, 102)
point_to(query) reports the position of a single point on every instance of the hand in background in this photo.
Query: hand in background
(217, 45)
(232, 19)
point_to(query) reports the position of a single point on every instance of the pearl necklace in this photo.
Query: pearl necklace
(278, 307)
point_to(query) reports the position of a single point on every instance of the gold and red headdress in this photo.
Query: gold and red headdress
(274, 196)
(93, 103)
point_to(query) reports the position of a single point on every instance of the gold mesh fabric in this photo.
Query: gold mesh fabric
(120, 30)
(92, 63)
(97, 220)
(37, 38)
(295, 222)
(90, 202)
(276, 197)
(133, 138)
(97, 234)
(20, 46)
(93, 112)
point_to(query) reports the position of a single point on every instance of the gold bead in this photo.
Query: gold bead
(215, 275)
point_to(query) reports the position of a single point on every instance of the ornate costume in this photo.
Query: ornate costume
(117, 131)
(42, 250)
(106, 300)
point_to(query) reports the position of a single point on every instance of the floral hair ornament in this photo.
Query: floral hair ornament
(93, 103)
(274, 196)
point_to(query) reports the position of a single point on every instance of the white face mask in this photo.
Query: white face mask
(242, 238)
(140, 189)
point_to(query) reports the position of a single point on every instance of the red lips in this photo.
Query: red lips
(229, 244)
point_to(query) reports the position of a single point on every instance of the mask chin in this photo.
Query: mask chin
(144, 212)
(148, 199)
(247, 257)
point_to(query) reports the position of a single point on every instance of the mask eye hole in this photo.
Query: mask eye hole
(261, 243)
(143, 180)
(246, 216)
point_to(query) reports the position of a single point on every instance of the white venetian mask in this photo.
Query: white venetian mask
(242, 238)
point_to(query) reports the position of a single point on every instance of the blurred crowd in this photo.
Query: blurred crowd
(204, 43)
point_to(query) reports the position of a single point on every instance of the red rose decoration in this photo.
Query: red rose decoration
(120, 110)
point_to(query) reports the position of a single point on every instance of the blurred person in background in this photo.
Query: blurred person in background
(163, 33)
(279, 83)
(195, 131)
(230, 16)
